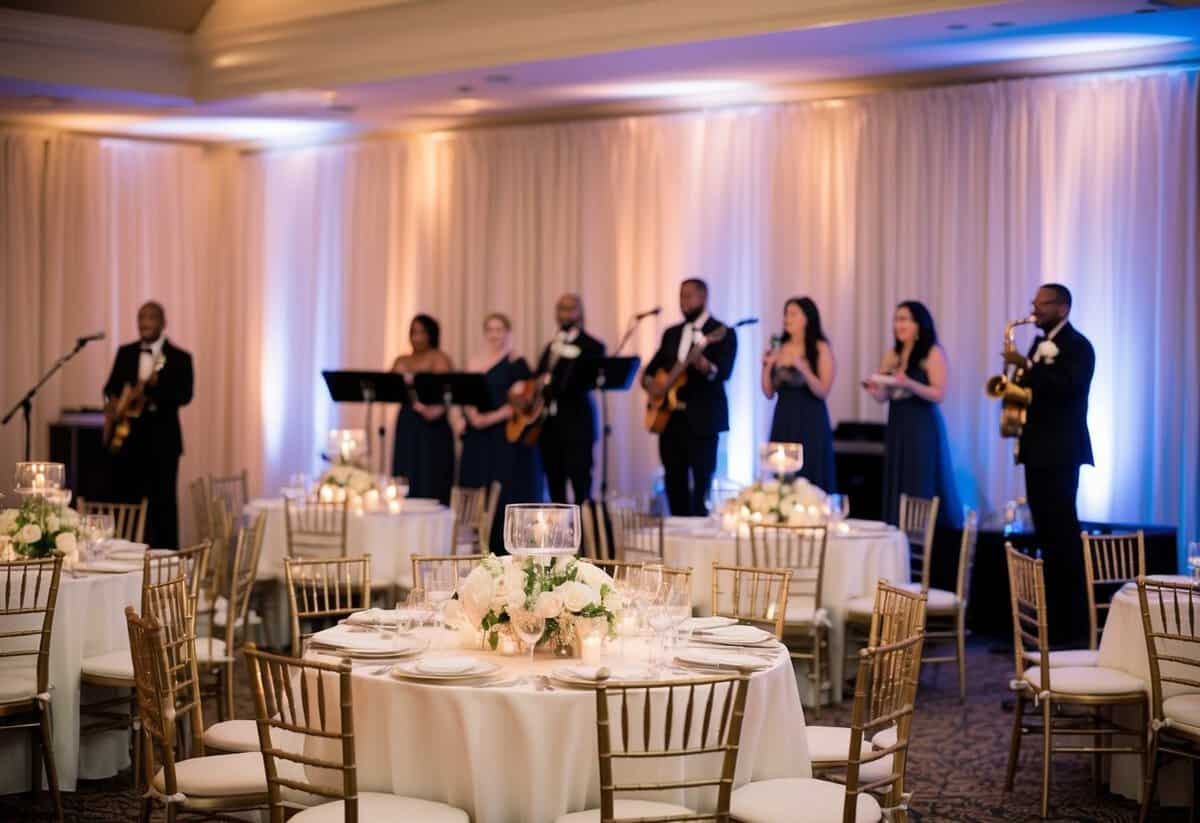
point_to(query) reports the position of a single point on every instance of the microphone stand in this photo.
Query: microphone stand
(25, 404)
(605, 428)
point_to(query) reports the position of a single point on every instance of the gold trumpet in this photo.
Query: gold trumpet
(1014, 398)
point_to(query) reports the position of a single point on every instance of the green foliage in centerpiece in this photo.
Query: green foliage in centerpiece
(40, 527)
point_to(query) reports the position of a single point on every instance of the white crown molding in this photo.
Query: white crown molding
(360, 42)
(58, 50)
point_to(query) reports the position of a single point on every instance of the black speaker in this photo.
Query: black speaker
(858, 454)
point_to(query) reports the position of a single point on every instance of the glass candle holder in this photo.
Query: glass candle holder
(38, 477)
(781, 459)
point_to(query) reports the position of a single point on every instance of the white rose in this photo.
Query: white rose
(515, 600)
(361, 482)
(613, 601)
(549, 605)
(797, 517)
(577, 596)
(65, 543)
(8, 520)
(476, 594)
(70, 517)
(454, 615)
(30, 534)
(594, 576)
(771, 486)
(52, 523)
(757, 501)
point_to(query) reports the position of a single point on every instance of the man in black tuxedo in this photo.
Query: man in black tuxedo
(1054, 444)
(569, 432)
(148, 464)
(688, 445)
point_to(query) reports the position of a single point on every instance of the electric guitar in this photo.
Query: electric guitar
(659, 408)
(122, 411)
(529, 412)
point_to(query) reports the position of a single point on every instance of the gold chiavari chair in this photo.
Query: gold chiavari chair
(198, 491)
(28, 596)
(114, 670)
(324, 590)
(898, 614)
(233, 489)
(461, 563)
(675, 577)
(487, 518)
(316, 530)
(946, 612)
(1109, 562)
(593, 519)
(712, 709)
(751, 595)
(311, 703)
(636, 535)
(468, 506)
(806, 622)
(918, 520)
(884, 694)
(129, 519)
(168, 692)
(1092, 688)
(1171, 624)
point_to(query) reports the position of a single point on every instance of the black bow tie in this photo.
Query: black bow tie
(148, 349)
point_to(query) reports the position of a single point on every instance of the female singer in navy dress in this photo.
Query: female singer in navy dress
(801, 369)
(423, 448)
(487, 455)
(917, 452)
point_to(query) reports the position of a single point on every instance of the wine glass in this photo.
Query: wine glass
(541, 530)
(529, 626)
(661, 622)
(1193, 556)
(439, 588)
(418, 606)
(91, 529)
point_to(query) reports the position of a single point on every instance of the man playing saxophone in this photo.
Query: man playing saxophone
(1053, 444)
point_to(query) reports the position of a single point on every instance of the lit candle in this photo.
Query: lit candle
(507, 646)
(540, 530)
(371, 499)
(39, 480)
(592, 646)
(778, 461)
(394, 506)
(390, 491)
(327, 494)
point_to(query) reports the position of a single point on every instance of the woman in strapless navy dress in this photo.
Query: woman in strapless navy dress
(917, 452)
(801, 370)
(487, 455)
(423, 448)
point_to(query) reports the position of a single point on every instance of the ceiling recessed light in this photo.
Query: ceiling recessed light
(957, 26)
(1003, 24)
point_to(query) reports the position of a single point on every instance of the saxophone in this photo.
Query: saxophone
(1014, 398)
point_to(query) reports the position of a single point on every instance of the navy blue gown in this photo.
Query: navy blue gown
(917, 455)
(487, 456)
(802, 417)
(423, 452)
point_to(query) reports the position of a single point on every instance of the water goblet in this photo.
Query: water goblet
(529, 626)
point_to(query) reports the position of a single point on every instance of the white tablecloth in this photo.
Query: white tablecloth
(854, 563)
(89, 620)
(1123, 647)
(390, 538)
(517, 755)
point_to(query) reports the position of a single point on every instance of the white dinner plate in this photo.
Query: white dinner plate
(714, 659)
(387, 617)
(581, 674)
(107, 567)
(137, 555)
(867, 525)
(883, 379)
(707, 624)
(363, 643)
(419, 670)
(737, 636)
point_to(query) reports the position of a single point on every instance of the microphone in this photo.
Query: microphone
(643, 314)
(88, 338)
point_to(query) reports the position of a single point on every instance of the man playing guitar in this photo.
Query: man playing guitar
(569, 426)
(688, 443)
(152, 379)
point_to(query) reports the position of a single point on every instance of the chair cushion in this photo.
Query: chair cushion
(1086, 680)
(860, 606)
(937, 600)
(221, 775)
(1067, 657)
(626, 808)
(780, 801)
(1184, 709)
(232, 736)
(373, 806)
(210, 650)
(830, 745)
(114, 664)
(17, 683)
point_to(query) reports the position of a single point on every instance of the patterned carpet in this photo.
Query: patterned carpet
(956, 771)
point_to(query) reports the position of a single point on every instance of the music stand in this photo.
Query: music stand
(370, 387)
(453, 388)
(606, 374)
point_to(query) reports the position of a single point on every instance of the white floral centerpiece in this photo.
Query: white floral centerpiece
(775, 502)
(41, 527)
(345, 480)
(560, 591)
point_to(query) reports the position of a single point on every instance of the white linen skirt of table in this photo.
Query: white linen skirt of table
(517, 755)
(854, 563)
(89, 619)
(1123, 647)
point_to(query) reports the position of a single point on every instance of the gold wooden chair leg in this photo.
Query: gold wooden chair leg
(1047, 752)
(1149, 778)
(818, 694)
(227, 678)
(1014, 745)
(47, 733)
(961, 654)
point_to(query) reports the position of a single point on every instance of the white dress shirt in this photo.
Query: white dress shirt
(691, 333)
(1056, 329)
(147, 359)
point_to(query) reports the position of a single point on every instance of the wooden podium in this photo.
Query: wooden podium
(75, 441)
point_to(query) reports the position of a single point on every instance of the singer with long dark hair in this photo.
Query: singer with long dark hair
(801, 370)
(912, 382)
(423, 450)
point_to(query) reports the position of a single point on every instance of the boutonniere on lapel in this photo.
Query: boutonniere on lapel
(1046, 352)
(567, 350)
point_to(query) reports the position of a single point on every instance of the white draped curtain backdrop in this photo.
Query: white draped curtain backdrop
(276, 265)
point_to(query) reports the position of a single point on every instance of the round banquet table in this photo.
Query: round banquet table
(89, 620)
(514, 754)
(1123, 647)
(857, 556)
